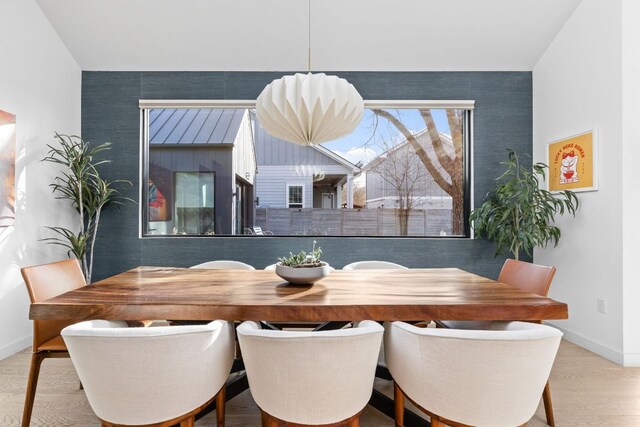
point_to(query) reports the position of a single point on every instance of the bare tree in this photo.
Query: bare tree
(452, 180)
(359, 195)
(404, 173)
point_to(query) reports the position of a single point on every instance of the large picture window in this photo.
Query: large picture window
(404, 171)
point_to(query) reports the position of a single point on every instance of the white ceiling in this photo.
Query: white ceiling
(272, 35)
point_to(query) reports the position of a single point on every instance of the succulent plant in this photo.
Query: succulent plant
(303, 259)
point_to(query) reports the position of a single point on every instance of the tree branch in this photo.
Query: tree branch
(420, 151)
(443, 157)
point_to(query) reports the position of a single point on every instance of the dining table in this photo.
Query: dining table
(191, 294)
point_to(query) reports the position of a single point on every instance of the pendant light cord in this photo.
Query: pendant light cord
(309, 39)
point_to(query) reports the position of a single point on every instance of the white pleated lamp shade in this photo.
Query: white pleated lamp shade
(309, 108)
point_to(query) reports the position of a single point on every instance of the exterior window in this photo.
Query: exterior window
(295, 196)
(216, 171)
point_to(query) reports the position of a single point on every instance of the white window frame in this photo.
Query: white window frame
(293, 184)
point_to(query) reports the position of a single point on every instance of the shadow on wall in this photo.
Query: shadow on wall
(21, 245)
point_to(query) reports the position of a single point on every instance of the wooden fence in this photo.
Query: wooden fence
(352, 222)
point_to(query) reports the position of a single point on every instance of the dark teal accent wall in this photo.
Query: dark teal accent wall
(502, 119)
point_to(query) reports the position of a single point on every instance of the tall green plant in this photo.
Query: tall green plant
(517, 214)
(80, 182)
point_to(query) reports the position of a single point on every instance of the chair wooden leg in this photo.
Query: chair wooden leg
(436, 422)
(355, 422)
(548, 406)
(268, 420)
(189, 422)
(32, 383)
(398, 399)
(221, 399)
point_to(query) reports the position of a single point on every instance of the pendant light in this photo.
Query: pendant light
(311, 108)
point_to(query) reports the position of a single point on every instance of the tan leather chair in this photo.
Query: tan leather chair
(44, 282)
(529, 277)
(536, 279)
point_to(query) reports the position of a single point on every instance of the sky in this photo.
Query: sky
(364, 145)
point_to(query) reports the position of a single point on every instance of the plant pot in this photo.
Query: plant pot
(303, 275)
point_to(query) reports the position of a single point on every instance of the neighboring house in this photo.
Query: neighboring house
(202, 170)
(397, 177)
(295, 176)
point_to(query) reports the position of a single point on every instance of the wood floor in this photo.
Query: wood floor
(587, 390)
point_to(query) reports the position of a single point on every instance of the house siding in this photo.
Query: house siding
(271, 151)
(205, 158)
(271, 186)
(244, 150)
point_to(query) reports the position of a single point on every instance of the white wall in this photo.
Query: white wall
(577, 86)
(631, 179)
(40, 84)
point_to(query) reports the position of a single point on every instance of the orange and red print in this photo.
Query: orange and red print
(572, 163)
(7, 169)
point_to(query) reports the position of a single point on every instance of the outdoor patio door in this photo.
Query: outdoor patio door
(327, 201)
(244, 207)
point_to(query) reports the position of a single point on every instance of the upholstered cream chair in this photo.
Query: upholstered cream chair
(224, 265)
(156, 376)
(373, 265)
(311, 378)
(471, 377)
(529, 277)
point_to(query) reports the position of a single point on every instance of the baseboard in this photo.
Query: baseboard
(591, 345)
(14, 347)
(631, 360)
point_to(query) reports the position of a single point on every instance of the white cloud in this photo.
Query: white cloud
(358, 154)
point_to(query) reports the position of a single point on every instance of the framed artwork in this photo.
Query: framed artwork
(7, 169)
(573, 163)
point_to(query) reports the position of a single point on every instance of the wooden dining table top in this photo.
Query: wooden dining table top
(201, 294)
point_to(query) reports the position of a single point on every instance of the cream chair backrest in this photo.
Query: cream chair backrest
(498, 374)
(224, 265)
(311, 377)
(138, 376)
(373, 265)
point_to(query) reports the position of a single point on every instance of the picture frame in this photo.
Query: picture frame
(7, 169)
(573, 163)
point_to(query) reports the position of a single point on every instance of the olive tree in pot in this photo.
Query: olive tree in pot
(80, 182)
(517, 214)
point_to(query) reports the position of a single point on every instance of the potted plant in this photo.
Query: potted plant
(517, 214)
(80, 182)
(303, 268)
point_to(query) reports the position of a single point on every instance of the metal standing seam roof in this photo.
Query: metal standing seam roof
(194, 125)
